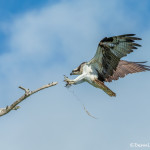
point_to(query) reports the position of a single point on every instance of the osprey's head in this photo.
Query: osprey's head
(78, 70)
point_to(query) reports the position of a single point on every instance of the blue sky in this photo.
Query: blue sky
(43, 40)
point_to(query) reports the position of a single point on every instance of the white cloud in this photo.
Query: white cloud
(69, 30)
(66, 27)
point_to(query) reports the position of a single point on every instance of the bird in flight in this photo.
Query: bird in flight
(106, 65)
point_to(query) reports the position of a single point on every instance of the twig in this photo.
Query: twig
(28, 93)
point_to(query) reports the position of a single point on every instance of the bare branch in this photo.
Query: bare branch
(28, 93)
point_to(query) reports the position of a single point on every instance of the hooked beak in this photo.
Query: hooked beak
(71, 73)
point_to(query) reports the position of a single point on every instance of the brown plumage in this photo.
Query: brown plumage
(126, 67)
(113, 49)
(101, 85)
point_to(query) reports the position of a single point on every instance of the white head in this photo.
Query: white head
(78, 70)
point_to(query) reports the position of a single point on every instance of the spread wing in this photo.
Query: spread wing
(125, 67)
(110, 51)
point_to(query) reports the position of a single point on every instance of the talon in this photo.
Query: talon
(68, 81)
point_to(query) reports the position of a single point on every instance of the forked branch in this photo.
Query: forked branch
(28, 93)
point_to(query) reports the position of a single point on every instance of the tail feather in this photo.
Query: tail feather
(102, 86)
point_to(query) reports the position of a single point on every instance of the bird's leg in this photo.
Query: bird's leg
(77, 80)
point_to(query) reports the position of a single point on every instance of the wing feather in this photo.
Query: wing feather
(126, 67)
(110, 51)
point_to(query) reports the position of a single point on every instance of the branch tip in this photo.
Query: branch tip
(53, 83)
(27, 91)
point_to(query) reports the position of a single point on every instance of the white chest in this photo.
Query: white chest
(89, 73)
(87, 69)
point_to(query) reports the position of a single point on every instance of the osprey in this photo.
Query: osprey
(106, 65)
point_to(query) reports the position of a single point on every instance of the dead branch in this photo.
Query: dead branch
(28, 93)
